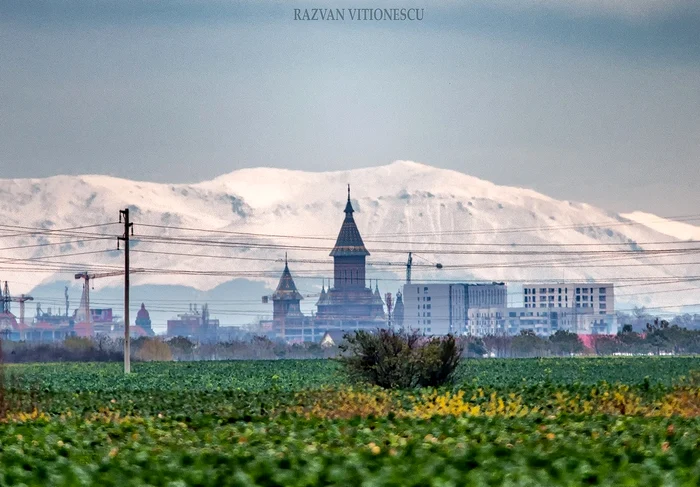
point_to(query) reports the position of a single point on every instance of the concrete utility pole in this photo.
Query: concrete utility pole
(128, 227)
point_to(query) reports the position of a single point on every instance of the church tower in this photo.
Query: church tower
(286, 302)
(349, 303)
(349, 254)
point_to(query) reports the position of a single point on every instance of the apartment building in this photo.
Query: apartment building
(457, 308)
(486, 309)
(584, 308)
(434, 308)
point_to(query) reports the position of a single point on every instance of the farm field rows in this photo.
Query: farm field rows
(607, 421)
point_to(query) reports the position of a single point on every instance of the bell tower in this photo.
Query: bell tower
(349, 254)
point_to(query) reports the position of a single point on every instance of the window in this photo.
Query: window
(585, 290)
(585, 298)
(601, 290)
(543, 290)
(551, 289)
(527, 299)
(601, 298)
(428, 313)
(428, 307)
(578, 298)
(585, 305)
(425, 289)
(602, 306)
(578, 290)
(560, 299)
(527, 291)
(428, 298)
(559, 290)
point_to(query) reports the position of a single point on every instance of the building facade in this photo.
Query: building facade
(455, 308)
(585, 308)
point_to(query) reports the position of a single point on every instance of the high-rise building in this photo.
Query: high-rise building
(455, 308)
(583, 308)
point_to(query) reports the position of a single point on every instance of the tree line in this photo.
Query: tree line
(657, 337)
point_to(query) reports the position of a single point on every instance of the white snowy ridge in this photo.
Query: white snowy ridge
(398, 206)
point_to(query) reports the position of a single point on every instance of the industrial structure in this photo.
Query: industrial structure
(195, 324)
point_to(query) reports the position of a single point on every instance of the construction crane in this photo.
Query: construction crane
(84, 310)
(5, 298)
(266, 299)
(409, 265)
(21, 299)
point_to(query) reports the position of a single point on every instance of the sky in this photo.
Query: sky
(586, 100)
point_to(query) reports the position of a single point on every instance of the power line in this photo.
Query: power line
(432, 233)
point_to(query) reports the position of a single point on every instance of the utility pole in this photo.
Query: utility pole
(128, 227)
(408, 268)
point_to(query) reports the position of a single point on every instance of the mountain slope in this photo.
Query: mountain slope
(404, 206)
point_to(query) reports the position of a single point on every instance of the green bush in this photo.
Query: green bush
(399, 359)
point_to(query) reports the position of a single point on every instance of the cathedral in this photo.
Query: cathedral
(349, 304)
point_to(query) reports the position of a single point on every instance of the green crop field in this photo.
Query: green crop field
(593, 421)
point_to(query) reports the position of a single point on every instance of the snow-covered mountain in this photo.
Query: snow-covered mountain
(400, 207)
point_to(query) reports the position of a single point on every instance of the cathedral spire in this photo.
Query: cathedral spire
(348, 206)
(349, 242)
(286, 289)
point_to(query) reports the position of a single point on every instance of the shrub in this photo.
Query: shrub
(399, 359)
(153, 349)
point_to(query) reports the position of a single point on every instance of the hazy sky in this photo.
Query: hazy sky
(590, 100)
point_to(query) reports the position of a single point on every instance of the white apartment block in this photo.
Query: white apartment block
(535, 320)
(434, 309)
(584, 308)
(486, 308)
(457, 308)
